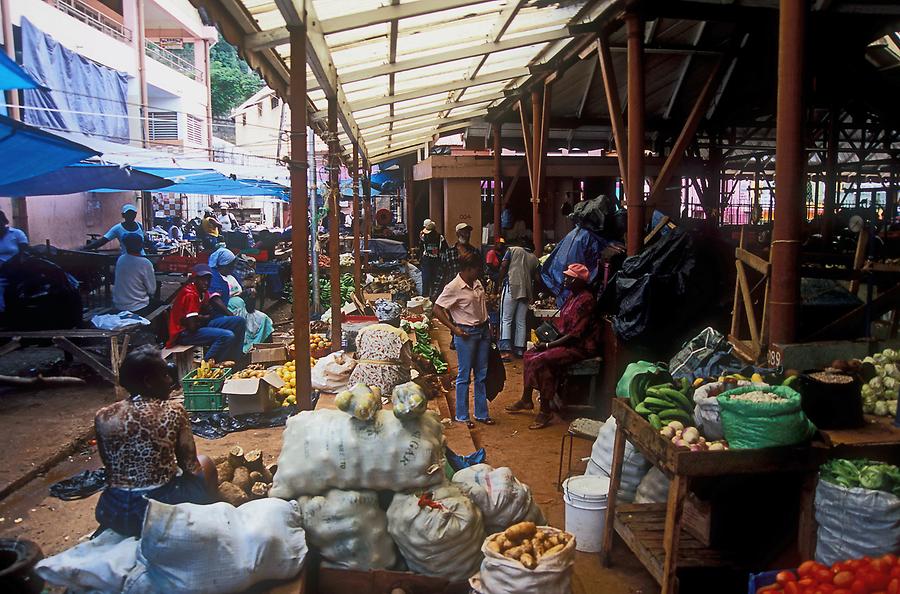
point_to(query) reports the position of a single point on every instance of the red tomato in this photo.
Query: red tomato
(894, 586)
(876, 581)
(823, 576)
(771, 589)
(843, 578)
(895, 571)
(791, 588)
(854, 564)
(807, 582)
(842, 591)
(839, 566)
(858, 587)
(825, 589)
(806, 568)
(890, 559)
(880, 565)
(784, 577)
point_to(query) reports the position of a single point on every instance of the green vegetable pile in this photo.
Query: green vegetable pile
(879, 394)
(423, 345)
(347, 289)
(862, 473)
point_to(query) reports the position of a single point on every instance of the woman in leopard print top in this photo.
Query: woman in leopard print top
(146, 444)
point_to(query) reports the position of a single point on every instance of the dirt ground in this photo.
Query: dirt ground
(40, 425)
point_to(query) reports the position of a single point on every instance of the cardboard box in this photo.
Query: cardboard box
(252, 395)
(373, 297)
(269, 352)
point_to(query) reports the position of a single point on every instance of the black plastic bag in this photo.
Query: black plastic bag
(82, 485)
(496, 373)
(215, 425)
(40, 296)
(591, 214)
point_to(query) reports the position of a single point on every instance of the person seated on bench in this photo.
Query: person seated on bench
(191, 323)
(579, 338)
(13, 243)
(128, 226)
(135, 279)
(147, 447)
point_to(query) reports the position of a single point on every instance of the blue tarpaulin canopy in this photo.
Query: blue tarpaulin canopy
(209, 181)
(84, 177)
(13, 77)
(26, 151)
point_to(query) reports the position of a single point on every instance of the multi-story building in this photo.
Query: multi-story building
(155, 52)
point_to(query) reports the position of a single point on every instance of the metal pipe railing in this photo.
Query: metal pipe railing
(93, 17)
(172, 60)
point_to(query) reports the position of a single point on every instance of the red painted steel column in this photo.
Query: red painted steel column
(334, 224)
(498, 191)
(409, 185)
(300, 225)
(635, 183)
(790, 171)
(536, 127)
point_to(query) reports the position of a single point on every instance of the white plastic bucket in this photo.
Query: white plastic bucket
(586, 498)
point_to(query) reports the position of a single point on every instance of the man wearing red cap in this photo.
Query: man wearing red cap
(579, 338)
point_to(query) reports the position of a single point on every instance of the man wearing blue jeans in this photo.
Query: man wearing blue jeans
(517, 273)
(462, 307)
(223, 335)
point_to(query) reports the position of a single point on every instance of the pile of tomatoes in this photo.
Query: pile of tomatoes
(856, 576)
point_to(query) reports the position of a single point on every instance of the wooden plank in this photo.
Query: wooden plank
(614, 106)
(85, 357)
(612, 497)
(672, 536)
(752, 260)
(859, 258)
(662, 223)
(876, 431)
(744, 284)
(644, 437)
(743, 349)
(10, 346)
(644, 554)
(73, 333)
(736, 313)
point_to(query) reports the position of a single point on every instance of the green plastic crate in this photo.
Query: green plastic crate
(204, 394)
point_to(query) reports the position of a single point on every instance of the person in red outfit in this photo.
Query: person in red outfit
(579, 339)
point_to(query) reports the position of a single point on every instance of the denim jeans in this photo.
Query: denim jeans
(223, 335)
(472, 353)
(513, 323)
(430, 268)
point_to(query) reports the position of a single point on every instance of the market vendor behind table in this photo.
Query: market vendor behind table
(147, 447)
(118, 231)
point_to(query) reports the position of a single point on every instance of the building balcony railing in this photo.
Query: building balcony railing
(171, 60)
(93, 17)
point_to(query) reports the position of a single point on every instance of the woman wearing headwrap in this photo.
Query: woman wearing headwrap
(225, 288)
(383, 351)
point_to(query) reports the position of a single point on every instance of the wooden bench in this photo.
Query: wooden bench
(184, 357)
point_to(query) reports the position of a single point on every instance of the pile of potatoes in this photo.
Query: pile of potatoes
(243, 476)
(526, 543)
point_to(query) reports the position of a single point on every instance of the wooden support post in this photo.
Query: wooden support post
(498, 189)
(673, 161)
(526, 140)
(357, 256)
(367, 203)
(409, 185)
(790, 168)
(300, 225)
(611, 90)
(536, 137)
(334, 225)
(635, 181)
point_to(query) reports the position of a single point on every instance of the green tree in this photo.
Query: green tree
(231, 80)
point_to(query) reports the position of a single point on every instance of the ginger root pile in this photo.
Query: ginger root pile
(526, 543)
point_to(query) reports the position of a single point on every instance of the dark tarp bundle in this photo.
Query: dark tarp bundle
(40, 295)
(215, 425)
(660, 294)
(84, 484)
(101, 91)
(591, 214)
(580, 246)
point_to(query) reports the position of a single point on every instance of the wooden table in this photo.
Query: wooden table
(654, 531)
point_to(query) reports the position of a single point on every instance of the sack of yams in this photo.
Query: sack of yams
(529, 544)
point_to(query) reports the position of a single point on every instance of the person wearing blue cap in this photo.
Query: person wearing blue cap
(118, 231)
(191, 321)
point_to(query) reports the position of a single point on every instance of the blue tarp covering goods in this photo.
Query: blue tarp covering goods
(12, 76)
(99, 105)
(26, 151)
(84, 178)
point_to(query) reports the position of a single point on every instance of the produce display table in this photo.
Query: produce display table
(654, 531)
(877, 439)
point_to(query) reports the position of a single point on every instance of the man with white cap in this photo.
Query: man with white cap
(226, 219)
(119, 230)
(433, 245)
(450, 257)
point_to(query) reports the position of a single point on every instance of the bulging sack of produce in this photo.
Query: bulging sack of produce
(763, 417)
(634, 466)
(98, 565)
(654, 487)
(349, 529)
(547, 573)
(439, 533)
(332, 372)
(218, 548)
(362, 401)
(328, 449)
(502, 499)
(707, 415)
(409, 400)
(855, 522)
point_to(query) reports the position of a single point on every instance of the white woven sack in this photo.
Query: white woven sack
(706, 410)
(500, 575)
(329, 449)
(502, 499)
(349, 529)
(332, 372)
(443, 542)
(634, 466)
(855, 523)
(654, 487)
(99, 565)
(218, 548)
